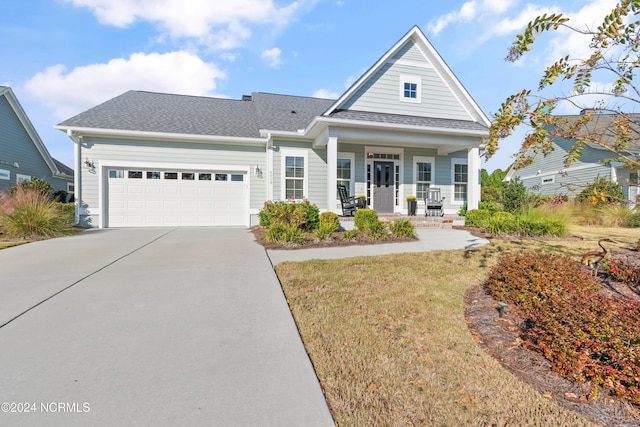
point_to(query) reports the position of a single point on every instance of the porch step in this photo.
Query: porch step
(420, 221)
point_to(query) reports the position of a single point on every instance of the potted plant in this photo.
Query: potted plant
(361, 201)
(412, 204)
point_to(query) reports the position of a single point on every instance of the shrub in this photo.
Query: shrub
(284, 234)
(540, 222)
(514, 196)
(329, 220)
(350, 235)
(633, 221)
(602, 192)
(364, 219)
(324, 231)
(60, 196)
(621, 272)
(489, 206)
(584, 334)
(377, 231)
(477, 217)
(463, 210)
(30, 213)
(403, 228)
(501, 222)
(302, 215)
(36, 184)
(615, 215)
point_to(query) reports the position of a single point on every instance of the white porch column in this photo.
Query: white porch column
(473, 189)
(332, 172)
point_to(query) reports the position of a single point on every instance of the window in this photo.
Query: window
(5, 174)
(153, 175)
(204, 176)
(20, 178)
(116, 173)
(188, 176)
(344, 172)
(221, 177)
(135, 174)
(237, 178)
(171, 175)
(423, 169)
(294, 164)
(548, 180)
(410, 88)
(460, 179)
(70, 188)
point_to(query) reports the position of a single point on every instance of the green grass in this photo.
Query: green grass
(390, 344)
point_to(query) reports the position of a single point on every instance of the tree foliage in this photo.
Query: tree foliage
(607, 124)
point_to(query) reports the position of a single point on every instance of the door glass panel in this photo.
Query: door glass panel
(135, 174)
(171, 175)
(204, 176)
(153, 175)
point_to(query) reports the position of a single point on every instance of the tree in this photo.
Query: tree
(613, 56)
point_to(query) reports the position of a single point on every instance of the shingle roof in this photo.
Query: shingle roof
(62, 167)
(193, 115)
(408, 120)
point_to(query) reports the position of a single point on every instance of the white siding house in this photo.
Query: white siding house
(151, 159)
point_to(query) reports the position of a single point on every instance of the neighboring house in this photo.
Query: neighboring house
(22, 153)
(152, 159)
(548, 175)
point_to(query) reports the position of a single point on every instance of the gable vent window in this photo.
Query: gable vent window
(410, 89)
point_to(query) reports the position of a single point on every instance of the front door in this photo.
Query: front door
(383, 187)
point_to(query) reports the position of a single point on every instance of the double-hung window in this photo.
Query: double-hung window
(294, 174)
(460, 180)
(344, 172)
(423, 175)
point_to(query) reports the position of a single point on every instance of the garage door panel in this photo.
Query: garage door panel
(175, 202)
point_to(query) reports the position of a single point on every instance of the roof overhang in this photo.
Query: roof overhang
(158, 136)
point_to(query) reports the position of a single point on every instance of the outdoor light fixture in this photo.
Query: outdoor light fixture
(89, 163)
(257, 171)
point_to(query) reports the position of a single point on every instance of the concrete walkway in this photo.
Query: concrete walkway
(428, 240)
(181, 326)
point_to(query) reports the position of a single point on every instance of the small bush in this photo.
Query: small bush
(463, 210)
(615, 215)
(403, 228)
(602, 192)
(30, 213)
(36, 184)
(377, 231)
(284, 234)
(621, 272)
(310, 215)
(633, 221)
(515, 196)
(350, 235)
(477, 217)
(501, 223)
(60, 196)
(492, 207)
(302, 215)
(324, 231)
(330, 221)
(364, 219)
(540, 222)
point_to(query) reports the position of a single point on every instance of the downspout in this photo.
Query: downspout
(76, 176)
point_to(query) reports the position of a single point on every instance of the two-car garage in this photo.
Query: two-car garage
(144, 197)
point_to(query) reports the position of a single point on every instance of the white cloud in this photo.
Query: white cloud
(218, 24)
(68, 93)
(326, 94)
(470, 11)
(273, 57)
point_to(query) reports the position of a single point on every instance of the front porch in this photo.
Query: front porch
(420, 221)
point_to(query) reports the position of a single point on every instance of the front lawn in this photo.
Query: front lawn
(391, 346)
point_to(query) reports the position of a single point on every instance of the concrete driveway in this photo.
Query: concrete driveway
(180, 326)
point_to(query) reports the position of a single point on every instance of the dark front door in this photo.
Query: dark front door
(383, 187)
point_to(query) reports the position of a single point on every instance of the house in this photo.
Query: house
(22, 153)
(548, 175)
(407, 124)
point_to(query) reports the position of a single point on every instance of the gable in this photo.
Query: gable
(413, 60)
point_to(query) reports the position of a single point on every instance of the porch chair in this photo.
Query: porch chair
(348, 203)
(433, 203)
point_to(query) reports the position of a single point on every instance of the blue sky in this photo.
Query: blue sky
(61, 57)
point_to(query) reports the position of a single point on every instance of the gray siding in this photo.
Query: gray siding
(16, 145)
(381, 93)
(120, 150)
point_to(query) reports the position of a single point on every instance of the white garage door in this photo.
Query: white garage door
(139, 198)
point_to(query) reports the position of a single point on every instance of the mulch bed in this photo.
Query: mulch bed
(336, 240)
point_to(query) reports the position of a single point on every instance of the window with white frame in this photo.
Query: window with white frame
(5, 174)
(460, 180)
(71, 188)
(20, 178)
(423, 175)
(344, 172)
(410, 88)
(549, 179)
(294, 164)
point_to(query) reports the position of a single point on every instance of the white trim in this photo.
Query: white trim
(352, 158)
(5, 174)
(547, 179)
(458, 161)
(294, 152)
(398, 207)
(104, 165)
(410, 79)
(513, 173)
(414, 185)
